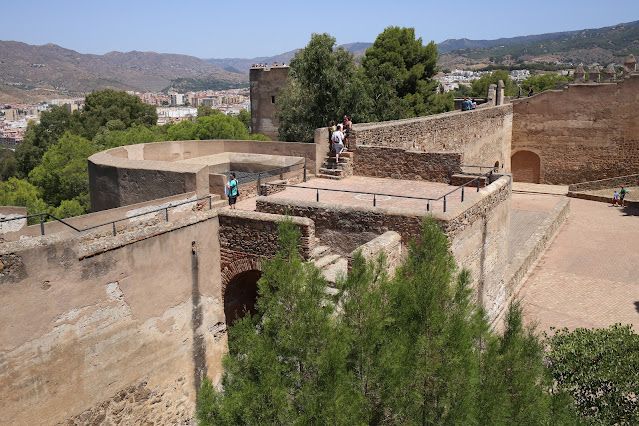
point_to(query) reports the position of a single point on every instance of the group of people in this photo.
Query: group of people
(530, 91)
(618, 197)
(468, 104)
(338, 136)
(265, 65)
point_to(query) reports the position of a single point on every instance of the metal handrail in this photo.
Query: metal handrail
(113, 222)
(281, 170)
(375, 194)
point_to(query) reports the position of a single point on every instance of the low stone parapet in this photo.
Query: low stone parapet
(390, 244)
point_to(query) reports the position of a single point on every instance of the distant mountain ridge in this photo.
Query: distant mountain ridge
(27, 71)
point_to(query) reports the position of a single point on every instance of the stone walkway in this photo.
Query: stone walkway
(588, 275)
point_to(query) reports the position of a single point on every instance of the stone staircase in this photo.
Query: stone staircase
(332, 170)
(330, 264)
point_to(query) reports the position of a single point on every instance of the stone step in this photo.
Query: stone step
(326, 260)
(340, 267)
(333, 172)
(346, 154)
(319, 251)
(331, 160)
(323, 176)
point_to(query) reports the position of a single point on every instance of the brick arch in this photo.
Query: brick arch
(241, 263)
(526, 166)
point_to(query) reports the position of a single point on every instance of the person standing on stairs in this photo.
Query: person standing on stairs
(338, 143)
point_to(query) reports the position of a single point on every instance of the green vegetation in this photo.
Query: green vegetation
(325, 83)
(539, 83)
(480, 86)
(49, 171)
(600, 369)
(411, 350)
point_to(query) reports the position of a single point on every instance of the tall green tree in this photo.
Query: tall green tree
(540, 83)
(19, 192)
(63, 173)
(110, 106)
(399, 71)
(323, 85)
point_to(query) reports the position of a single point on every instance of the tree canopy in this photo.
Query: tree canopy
(400, 71)
(480, 86)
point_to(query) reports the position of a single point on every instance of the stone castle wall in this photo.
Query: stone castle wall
(478, 230)
(482, 136)
(582, 133)
(109, 329)
(398, 163)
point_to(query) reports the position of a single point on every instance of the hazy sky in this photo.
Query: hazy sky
(247, 28)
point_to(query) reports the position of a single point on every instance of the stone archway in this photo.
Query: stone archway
(526, 166)
(240, 295)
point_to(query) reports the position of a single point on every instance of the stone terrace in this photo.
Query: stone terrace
(377, 185)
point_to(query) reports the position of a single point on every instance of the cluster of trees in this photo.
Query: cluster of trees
(539, 83)
(49, 171)
(394, 81)
(414, 349)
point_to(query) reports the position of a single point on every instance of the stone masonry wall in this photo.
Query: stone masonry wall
(482, 136)
(583, 133)
(399, 163)
(111, 330)
(477, 230)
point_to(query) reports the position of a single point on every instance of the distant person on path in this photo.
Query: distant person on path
(520, 92)
(466, 104)
(622, 195)
(231, 187)
(331, 129)
(530, 91)
(338, 142)
(615, 198)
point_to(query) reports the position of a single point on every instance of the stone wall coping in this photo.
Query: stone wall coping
(375, 245)
(477, 197)
(104, 158)
(97, 241)
(504, 109)
(601, 183)
(265, 217)
(326, 206)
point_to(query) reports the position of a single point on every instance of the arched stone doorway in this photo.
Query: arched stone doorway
(240, 295)
(526, 166)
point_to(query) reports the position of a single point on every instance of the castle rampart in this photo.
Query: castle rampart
(588, 131)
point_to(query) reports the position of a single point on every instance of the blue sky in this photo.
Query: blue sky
(248, 28)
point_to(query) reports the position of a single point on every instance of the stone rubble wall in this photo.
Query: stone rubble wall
(390, 244)
(110, 329)
(483, 136)
(399, 163)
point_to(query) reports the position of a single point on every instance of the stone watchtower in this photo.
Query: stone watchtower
(630, 64)
(265, 87)
(579, 74)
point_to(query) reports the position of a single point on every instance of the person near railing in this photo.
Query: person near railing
(231, 187)
(338, 142)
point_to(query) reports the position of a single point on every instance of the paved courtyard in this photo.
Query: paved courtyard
(588, 276)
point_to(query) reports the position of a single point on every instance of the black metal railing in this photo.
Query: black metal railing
(42, 216)
(280, 171)
(476, 181)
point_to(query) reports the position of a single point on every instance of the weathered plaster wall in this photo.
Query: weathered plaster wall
(482, 136)
(103, 329)
(629, 180)
(399, 163)
(477, 230)
(266, 84)
(582, 133)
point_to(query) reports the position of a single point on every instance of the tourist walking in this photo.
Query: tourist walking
(232, 192)
(622, 195)
(338, 142)
(615, 198)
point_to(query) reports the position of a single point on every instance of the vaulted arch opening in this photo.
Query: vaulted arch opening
(240, 295)
(525, 166)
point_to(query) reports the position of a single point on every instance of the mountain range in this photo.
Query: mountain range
(33, 73)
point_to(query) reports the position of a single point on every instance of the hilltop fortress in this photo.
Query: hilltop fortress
(119, 314)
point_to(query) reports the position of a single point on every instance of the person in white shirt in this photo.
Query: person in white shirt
(338, 142)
